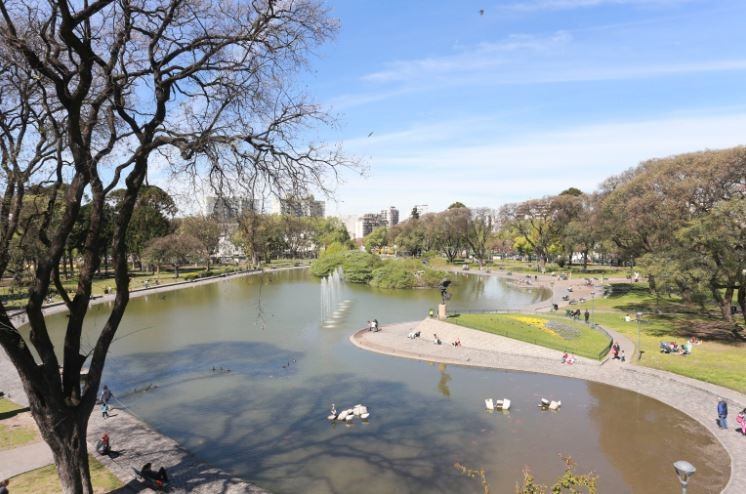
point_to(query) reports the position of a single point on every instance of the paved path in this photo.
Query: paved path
(24, 458)
(695, 398)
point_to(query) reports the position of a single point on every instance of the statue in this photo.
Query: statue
(444, 295)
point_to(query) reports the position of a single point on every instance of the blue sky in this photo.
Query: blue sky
(526, 100)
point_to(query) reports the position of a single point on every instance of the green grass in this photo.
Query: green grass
(45, 480)
(16, 435)
(12, 437)
(565, 335)
(8, 408)
(667, 319)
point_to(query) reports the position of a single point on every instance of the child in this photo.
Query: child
(623, 358)
(105, 410)
(741, 420)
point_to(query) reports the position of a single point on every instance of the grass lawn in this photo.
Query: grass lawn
(15, 435)
(717, 362)
(8, 408)
(560, 333)
(45, 480)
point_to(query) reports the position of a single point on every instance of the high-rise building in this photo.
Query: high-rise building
(227, 209)
(299, 206)
(367, 223)
(390, 216)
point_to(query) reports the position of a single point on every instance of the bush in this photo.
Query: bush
(405, 273)
(358, 266)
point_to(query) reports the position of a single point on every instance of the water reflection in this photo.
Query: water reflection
(265, 420)
(443, 382)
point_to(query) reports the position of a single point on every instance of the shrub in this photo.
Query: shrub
(358, 266)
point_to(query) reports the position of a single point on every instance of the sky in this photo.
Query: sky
(526, 99)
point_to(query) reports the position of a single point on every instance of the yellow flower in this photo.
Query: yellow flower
(536, 322)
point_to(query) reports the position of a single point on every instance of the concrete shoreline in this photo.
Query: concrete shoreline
(138, 442)
(695, 398)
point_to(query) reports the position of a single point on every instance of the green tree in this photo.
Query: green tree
(206, 231)
(176, 249)
(376, 239)
(151, 218)
(479, 233)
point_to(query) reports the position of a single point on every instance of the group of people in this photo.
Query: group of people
(373, 326)
(568, 359)
(575, 314)
(722, 421)
(617, 353)
(673, 347)
(457, 342)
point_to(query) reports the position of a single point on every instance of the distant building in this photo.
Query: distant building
(299, 206)
(390, 216)
(227, 209)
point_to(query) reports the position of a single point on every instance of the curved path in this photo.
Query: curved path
(479, 349)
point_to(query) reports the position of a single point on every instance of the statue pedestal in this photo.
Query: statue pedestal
(442, 314)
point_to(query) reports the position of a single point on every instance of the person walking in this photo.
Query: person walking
(587, 316)
(106, 395)
(105, 410)
(722, 414)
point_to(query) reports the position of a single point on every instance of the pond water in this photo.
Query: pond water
(265, 420)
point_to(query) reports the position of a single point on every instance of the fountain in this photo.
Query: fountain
(331, 290)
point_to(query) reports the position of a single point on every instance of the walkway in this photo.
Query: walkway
(695, 398)
(24, 458)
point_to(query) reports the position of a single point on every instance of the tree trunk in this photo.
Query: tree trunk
(176, 268)
(742, 300)
(71, 459)
(723, 303)
(63, 427)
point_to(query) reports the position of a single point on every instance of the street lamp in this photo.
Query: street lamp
(684, 470)
(639, 350)
(593, 305)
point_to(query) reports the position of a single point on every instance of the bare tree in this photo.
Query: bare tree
(106, 87)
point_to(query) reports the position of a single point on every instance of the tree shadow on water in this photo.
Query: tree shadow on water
(282, 439)
(138, 372)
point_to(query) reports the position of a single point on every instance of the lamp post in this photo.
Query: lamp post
(593, 305)
(639, 350)
(684, 471)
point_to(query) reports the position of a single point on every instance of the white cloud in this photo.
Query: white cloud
(419, 166)
(478, 57)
